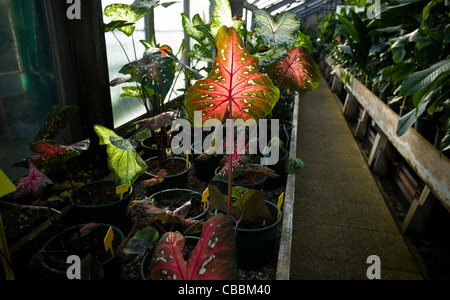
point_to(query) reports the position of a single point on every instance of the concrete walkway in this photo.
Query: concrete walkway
(340, 217)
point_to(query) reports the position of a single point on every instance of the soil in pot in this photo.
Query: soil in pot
(177, 174)
(245, 179)
(98, 202)
(53, 257)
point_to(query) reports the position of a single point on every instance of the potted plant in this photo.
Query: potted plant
(213, 258)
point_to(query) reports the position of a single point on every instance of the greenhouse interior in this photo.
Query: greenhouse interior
(258, 140)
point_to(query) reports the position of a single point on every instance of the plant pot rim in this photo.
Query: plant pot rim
(184, 190)
(112, 181)
(170, 176)
(275, 224)
(73, 228)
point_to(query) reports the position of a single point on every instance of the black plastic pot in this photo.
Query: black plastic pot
(223, 186)
(113, 213)
(111, 266)
(149, 151)
(280, 169)
(146, 261)
(427, 128)
(205, 167)
(256, 247)
(175, 181)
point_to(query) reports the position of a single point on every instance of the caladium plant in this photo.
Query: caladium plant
(235, 89)
(35, 182)
(298, 71)
(235, 84)
(248, 205)
(123, 160)
(214, 257)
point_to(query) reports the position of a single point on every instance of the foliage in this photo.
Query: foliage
(123, 160)
(248, 204)
(404, 54)
(235, 84)
(213, 258)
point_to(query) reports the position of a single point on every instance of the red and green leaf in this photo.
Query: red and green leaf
(153, 70)
(214, 257)
(56, 120)
(176, 216)
(155, 180)
(235, 80)
(35, 182)
(298, 71)
(239, 160)
(51, 152)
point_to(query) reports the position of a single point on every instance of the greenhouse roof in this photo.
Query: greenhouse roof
(303, 8)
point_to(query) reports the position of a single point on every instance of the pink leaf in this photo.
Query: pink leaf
(213, 258)
(235, 79)
(35, 182)
(298, 71)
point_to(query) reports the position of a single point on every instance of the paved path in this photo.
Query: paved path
(340, 217)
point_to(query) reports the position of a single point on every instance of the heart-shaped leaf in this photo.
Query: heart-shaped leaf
(140, 243)
(35, 182)
(146, 6)
(123, 160)
(155, 180)
(282, 32)
(56, 120)
(249, 205)
(213, 258)
(298, 71)
(153, 70)
(235, 80)
(222, 16)
(52, 153)
(123, 12)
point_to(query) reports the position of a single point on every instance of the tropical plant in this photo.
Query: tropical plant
(214, 257)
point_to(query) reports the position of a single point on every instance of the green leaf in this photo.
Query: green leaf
(123, 12)
(153, 70)
(304, 40)
(398, 72)
(445, 143)
(192, 30)
(294, 164)
(144, 240)
(248, 206)
(133, 92)
(56, 120)
(123, 161)
(222, 15)
(283, 32)
(406, 122)
(420, 80)
(146, 6)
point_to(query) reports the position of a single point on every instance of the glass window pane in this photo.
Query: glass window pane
(27, 82)
(120, 51)
(169, 31)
